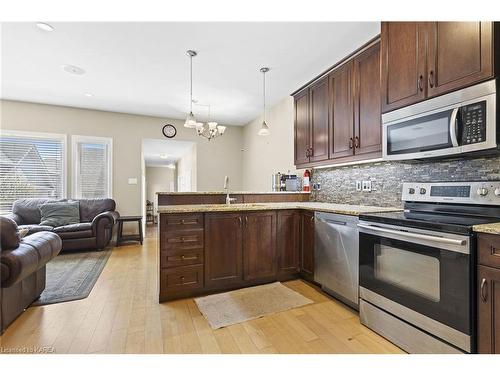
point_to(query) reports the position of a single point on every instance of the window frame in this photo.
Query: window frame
(46, 135)
(75, 164)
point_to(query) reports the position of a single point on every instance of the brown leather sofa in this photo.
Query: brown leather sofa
(97, 219)
(22, 268)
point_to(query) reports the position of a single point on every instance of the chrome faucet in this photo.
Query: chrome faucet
(226, 188)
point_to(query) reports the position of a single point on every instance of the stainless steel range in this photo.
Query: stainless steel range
(417, 267)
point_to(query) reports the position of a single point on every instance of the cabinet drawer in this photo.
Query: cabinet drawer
(181, 258)
(182, 240)
(181, 278)
(174, 222)
(489, 250)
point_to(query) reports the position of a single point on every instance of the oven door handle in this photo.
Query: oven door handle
(449, 241)
(453, 127)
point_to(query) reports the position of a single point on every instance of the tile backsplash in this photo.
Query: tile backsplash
(338, 185)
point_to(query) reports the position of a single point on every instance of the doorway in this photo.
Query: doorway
(167, 166)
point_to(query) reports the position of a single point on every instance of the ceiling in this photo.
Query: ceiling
(173, 150)
(142, 67)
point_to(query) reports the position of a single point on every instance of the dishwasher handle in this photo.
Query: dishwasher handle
(336, 222)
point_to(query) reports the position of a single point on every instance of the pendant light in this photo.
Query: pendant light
(190, 119)
(264, 129)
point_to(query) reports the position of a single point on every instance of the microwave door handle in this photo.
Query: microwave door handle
(449, 241)
(453, 127)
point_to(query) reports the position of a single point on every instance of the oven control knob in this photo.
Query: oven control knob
(423, 191)
(412, 190)
(482, 191)
(497, 192)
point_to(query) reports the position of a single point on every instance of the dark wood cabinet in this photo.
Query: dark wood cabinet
(488, 294)
(459, 54)
(341, 125)
(403, 51)
(367, 107)
(302, 128)
(288, 242)
(307, 246)
(426, 59)
(259, 245)
(223, 249)
(318, 96)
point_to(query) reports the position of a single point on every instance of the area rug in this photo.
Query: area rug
(238, 306)
(72, 275)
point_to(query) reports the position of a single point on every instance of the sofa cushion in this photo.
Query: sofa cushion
(34, 228)
(57, 214)
(90, 208)
(73, 227)
(8, 233)
(28, 209)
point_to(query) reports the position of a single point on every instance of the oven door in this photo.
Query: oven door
(420, 276)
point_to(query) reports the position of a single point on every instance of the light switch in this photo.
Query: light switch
(132, 181)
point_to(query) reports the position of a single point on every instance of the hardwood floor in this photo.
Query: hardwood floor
(122, 315)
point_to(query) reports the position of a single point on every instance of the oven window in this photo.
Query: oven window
(407, 270)
(425, 133)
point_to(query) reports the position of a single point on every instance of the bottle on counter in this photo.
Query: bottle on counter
(306, 181)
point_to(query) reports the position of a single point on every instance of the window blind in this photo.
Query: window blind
(30, 167)
(93, 167)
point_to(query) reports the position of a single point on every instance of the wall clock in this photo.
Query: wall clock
(169, 131)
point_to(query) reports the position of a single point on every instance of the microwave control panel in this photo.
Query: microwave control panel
(474, 123)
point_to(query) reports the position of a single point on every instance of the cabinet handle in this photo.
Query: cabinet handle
(183, 257)
(419, 82)
(484, 291)
(246, 221)
(356, 142)
(431, 78)
(311, 152)
(239, 219)
(312, 219)
(350, 142)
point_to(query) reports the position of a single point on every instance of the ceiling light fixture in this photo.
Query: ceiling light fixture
(190, 119)
(163, 156)
(88, 95)
(73, 70)
(210, 129)
(171, 166)
(44, 26)
(264, 129)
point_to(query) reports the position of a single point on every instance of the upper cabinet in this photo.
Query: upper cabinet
(337, 118)
(425, 59)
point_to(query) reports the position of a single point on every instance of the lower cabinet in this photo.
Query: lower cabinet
(307, 246)
(488, 294)
(288, 242)
(224, 249)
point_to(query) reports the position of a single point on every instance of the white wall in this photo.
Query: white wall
(186, 171)
(264, 156)
(215, 159)
(159, 179)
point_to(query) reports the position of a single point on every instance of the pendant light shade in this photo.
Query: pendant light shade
(264, 129)
(190, 119)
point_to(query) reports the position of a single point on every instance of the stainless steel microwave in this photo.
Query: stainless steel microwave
(460, 122)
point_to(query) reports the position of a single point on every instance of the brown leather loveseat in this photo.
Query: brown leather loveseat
(94, 231)
(22, 268)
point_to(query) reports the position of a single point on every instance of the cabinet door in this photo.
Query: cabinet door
(367, 116)
(318, 95)
(288, 242)
(488, 310)
(223, 249)
(259, 245)
(307, 245)
(341, 124)
(302, 128)
(460, 54)
(403, 51)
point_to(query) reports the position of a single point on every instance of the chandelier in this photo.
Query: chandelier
(207, 130)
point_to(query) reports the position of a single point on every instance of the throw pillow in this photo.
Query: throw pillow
(58, 214)
(23, 232)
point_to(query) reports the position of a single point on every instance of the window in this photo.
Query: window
(32, 165)
(92, 167)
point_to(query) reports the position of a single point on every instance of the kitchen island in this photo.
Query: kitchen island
(207, 248)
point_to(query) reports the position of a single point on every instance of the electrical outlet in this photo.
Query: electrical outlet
(367, 186)
(317, 186)
(358, 185)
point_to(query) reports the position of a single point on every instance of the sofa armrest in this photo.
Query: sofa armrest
(102, 227)
(14, 217)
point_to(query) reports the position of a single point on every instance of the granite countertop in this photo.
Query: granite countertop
(492, 228)
(231, 192)
(343, 209)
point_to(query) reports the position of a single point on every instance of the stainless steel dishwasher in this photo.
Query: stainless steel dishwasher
(336, 256)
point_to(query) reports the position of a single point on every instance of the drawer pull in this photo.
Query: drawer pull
(484, 292)
(183, 257)
(188, 222)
